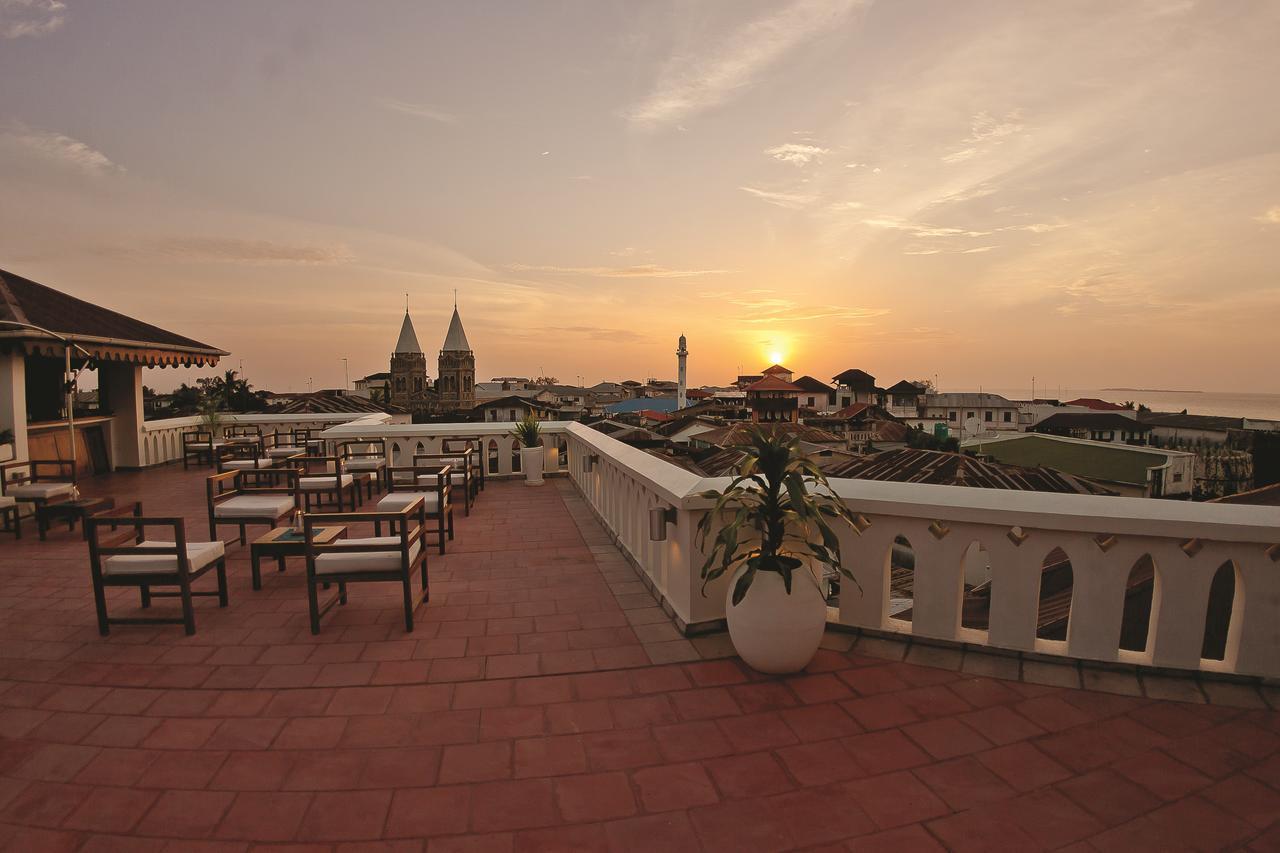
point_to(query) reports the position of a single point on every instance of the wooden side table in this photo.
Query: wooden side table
(71, 512)
(281, 542)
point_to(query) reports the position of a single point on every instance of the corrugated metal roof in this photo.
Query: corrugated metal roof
(907, 465)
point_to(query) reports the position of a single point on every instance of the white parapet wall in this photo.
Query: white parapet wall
(160, 441)
(1103, 537)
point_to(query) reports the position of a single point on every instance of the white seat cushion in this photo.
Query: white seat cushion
(6, 501)
(366, 464)
(283, 450)
(366, 561)
(246, 464)
(397, 501)
(458, 478)
(254, 506)
(320, 482)
(200, 554)
(38, 490)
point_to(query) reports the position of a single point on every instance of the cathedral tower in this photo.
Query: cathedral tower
(456, 387)
(409, 384)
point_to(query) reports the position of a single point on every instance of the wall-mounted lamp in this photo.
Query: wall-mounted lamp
(659, 518)
(589, 461)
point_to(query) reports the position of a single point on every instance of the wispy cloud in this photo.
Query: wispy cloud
(20, 18)
(985, 131)
(240, 251)
(420, 110)
(1270, 217)
(636, 271)
(916, 229)
(764, 306)
(59, 149)
(781, 198)
(704, 79)
(796, 153)
(598, 333)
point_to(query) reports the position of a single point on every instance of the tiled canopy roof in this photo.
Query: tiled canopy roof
(103, 332)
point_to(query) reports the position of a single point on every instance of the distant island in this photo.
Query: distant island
(1153, 390)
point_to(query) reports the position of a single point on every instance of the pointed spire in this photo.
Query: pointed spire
(456, 339)
(408, 342)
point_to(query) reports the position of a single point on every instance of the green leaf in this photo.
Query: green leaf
(743, 584)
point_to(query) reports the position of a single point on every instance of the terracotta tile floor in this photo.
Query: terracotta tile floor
(526, 712)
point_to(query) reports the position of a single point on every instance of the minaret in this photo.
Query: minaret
(681, 383)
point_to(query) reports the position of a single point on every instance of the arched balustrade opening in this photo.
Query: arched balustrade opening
(1057, 583)
(1139, 591)
(975, 608)
(900, 565)
(1217, 623)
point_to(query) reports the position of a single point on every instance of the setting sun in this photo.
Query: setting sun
(775, 357)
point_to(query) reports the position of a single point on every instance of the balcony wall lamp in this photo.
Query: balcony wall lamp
(659, 518)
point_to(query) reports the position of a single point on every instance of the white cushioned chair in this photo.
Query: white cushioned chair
(37, 481)
(433, 484)
(240, 498)
(322, 479)
(366, 457)
(134, 560)
(472, 447)
(9, 514)
(459, 474)
(282, 445)
(366, 559)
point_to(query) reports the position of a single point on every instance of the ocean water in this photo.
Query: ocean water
(1223, 404)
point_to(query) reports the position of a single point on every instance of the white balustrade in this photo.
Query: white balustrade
(1103, 537)
(952, 531)
(161, 440)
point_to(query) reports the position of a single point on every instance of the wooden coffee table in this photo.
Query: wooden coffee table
(283, 542)
(70, 512)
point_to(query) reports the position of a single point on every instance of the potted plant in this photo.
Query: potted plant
(773, 530)
(532, 455)
(210, 418)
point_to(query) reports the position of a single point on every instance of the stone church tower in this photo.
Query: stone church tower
(409, 386)
(456, 387)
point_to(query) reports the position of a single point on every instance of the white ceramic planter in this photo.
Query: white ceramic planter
(774, 632)
(532, 460)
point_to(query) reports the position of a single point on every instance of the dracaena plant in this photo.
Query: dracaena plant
(528, 431)
(780, 510)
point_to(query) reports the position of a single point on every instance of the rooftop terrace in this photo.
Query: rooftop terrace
(545, 702)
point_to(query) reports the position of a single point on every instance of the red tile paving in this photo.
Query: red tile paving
(523, 714)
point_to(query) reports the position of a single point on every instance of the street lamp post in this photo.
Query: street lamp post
(69, 380)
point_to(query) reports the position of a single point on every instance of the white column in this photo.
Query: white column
(13, 400)
(120, 392)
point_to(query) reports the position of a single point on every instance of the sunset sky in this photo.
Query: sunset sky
(986, 191)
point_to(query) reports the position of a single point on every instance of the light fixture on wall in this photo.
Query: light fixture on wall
(659, 518)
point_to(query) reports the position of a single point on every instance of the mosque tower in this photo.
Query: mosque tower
(682, 384)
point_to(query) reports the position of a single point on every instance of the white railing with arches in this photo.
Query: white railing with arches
(161, 440)
(949, 529)
(499, 448)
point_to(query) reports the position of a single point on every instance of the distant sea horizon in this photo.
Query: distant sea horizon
(1221, 403)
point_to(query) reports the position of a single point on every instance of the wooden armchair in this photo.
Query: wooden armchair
(135, 560)
(200, 446)
(460, 472)
(323, 477)
(281, 445)
(243, 457)
(373, 559)
(473, 446)
(37, 481)
(267, 496)
(366, 457)
(430, 483)
(10, 516)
